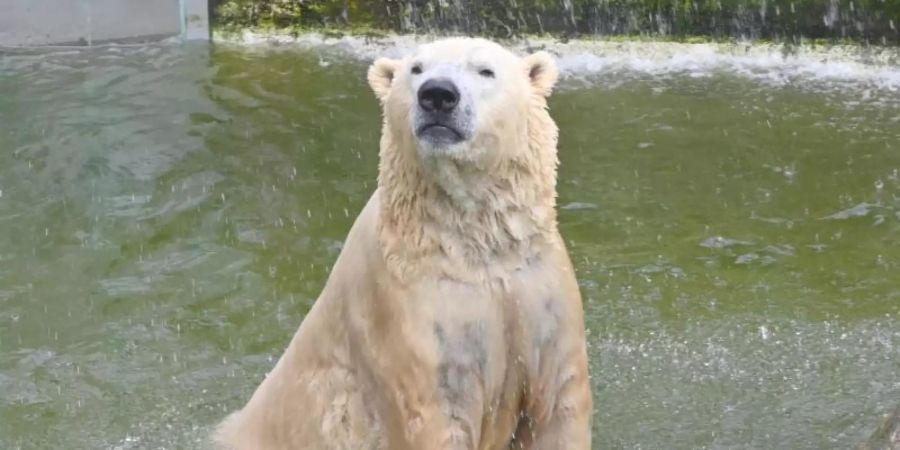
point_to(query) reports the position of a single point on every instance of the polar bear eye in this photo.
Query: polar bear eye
(417, 69)
(488, 73)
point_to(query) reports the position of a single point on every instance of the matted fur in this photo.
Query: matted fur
(451, 319)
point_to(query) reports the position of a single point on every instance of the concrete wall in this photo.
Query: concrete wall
(42, 22)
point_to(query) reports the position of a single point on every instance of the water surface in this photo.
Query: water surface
(168, 214)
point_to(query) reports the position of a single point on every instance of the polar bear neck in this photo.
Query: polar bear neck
(461, 221)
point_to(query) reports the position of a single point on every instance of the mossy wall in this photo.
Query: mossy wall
(870, 21)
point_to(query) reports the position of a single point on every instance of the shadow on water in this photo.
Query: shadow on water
(168, 214)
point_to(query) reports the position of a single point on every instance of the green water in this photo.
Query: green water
(168, 215)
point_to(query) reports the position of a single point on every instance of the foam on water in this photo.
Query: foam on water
(844, 66)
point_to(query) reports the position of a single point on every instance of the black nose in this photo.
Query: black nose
(438, 95)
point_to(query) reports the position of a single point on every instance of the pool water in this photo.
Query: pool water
(169, 213)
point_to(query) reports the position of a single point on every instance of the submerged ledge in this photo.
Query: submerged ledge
(775, 63)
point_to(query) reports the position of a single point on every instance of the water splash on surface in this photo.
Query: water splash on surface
(776, 64)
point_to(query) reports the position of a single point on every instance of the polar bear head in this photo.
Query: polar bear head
(462, 99)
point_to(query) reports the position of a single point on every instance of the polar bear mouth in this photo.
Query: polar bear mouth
(440, 133)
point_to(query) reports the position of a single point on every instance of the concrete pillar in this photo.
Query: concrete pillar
(195, 18)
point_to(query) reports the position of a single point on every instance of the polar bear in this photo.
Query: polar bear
(452, 318)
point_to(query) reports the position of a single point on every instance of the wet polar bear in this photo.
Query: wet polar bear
(452, 318)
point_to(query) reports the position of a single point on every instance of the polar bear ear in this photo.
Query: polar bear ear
(542, 72)
(381, 74)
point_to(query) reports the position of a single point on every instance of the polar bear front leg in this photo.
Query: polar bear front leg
(558, 403)
(565, 424)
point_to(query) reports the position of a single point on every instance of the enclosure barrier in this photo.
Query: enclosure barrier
(26, 23)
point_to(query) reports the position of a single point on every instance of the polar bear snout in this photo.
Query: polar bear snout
(441, 117)
(438, 95)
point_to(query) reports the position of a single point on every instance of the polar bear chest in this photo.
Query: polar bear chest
(489, 341)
